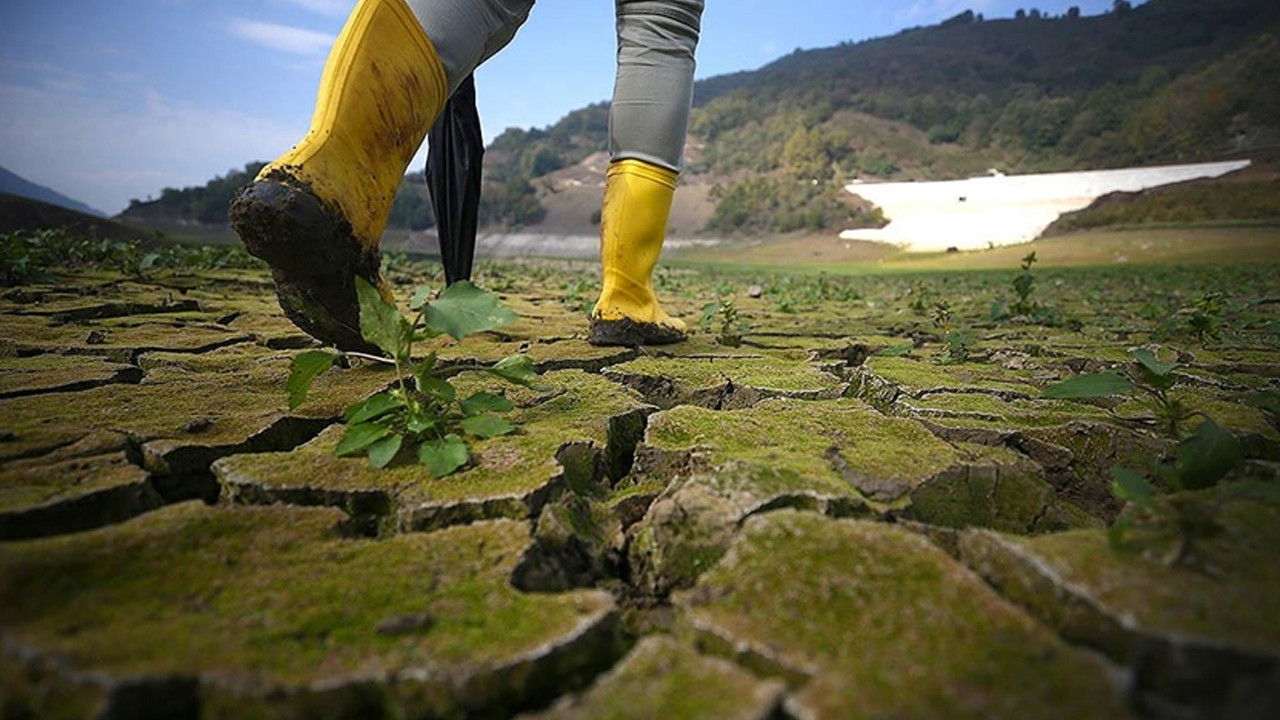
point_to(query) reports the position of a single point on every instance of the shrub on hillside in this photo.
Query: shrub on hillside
(777, 204)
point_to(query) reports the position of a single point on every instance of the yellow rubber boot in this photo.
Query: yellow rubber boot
(316, 214)
(633, 225)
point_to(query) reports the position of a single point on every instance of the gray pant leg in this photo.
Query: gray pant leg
(465, 33)
(649, 117)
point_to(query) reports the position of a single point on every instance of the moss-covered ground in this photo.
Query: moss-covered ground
(857, 503)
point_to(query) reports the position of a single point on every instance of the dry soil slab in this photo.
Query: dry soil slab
(866, 620)
(577, 432)
(270, 612)
(1201, 636)
(662, 678)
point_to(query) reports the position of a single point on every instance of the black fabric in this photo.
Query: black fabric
(455, 158)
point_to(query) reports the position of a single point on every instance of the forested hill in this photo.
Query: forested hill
(1165, 81)
(1168, 80)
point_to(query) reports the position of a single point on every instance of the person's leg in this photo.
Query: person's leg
(316, 214)
(648, 121)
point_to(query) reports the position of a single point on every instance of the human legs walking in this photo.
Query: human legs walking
(648, 121)
(316, 214)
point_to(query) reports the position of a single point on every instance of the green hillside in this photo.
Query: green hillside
(1169, 80)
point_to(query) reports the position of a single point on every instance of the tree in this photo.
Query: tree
(513, 204)
(1073, 12)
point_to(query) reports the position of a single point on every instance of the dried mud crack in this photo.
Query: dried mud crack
(834, 519)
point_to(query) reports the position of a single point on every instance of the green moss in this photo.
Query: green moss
(29, 689)
(770, 375)
(1233, 416)
(886, 624)
(664, 679)
(220, 398)
(1070, 347)
(978, 409)
(796, 436)
(45, 373)
(565, 354)
(503, 480)
(914, 376)
(274, 595)
(1230, 606)
(635, 488)
(23, 488)
(1005, 497)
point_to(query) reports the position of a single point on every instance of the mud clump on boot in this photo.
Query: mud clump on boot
(313, 256)
(630, 333)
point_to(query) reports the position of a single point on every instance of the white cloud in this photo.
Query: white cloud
(284, 38)
(332, 8)
(122, 140)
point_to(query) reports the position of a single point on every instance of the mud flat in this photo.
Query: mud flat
(831, 517)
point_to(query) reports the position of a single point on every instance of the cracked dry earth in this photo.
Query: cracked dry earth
(802, 526)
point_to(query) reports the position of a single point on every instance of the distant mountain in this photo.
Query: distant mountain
(1169, 80)
(770, 150)
(23, 214)
(16, 185)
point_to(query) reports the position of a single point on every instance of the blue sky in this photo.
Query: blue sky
(107, 100)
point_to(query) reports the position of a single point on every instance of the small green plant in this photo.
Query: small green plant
(959, 342)
(1201, 459)
(1147, 375)
(731, 327)
(1204, 319)
(920, 298)
(579, 294)
(423, 409)
(1023, 285)
(28, 256)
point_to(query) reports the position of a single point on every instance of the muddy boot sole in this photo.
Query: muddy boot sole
(313, 257)
(630, 333)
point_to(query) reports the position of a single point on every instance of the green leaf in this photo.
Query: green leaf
(517, 369)
(419, 424)
(420, 298)
(380, 322)
(374, 407)
(709, 312)
(487, 426)
(443, 457)
(1207, 456)
(359, 437)
(1133, 487)
(383, 451)
(1149, 361)
(423, 369)
(1090, 386)
(483, 402)
(305, 367)
(442, 391)
(464, 309)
